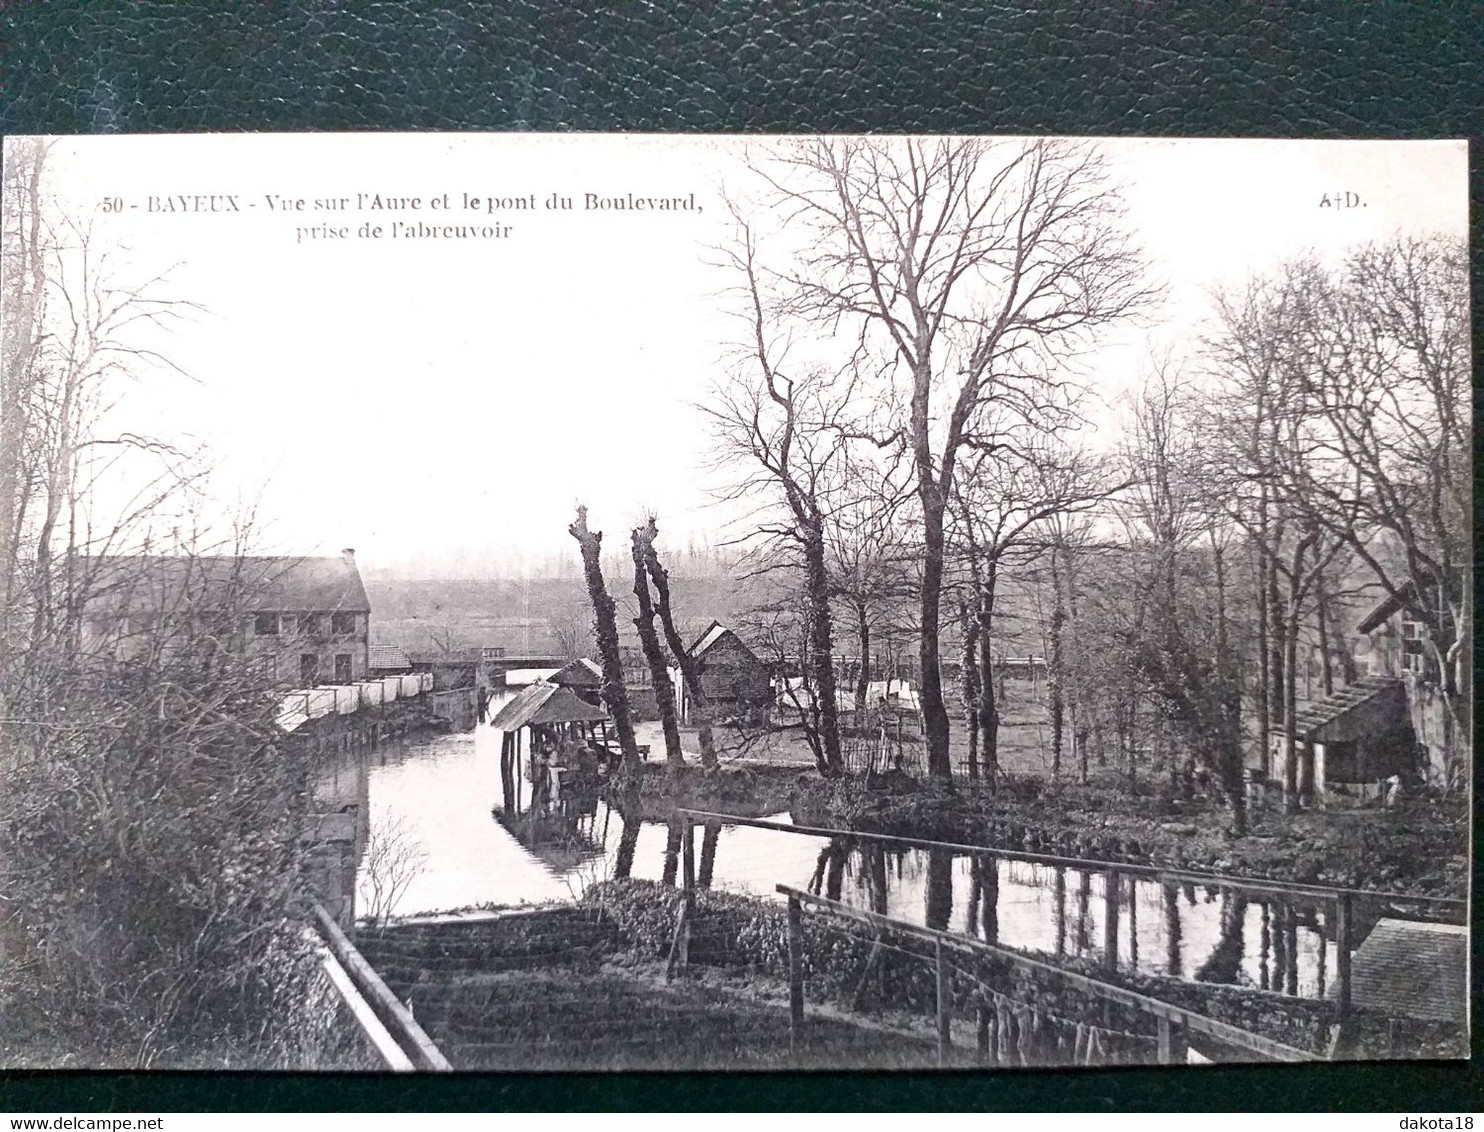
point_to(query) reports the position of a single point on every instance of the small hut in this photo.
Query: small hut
(557, 720)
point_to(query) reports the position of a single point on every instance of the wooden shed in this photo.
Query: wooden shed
(735, 679)
(1356, 737)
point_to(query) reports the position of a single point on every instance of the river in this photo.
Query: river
(444, 793)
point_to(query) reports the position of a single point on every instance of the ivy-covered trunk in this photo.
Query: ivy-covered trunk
(606, 625)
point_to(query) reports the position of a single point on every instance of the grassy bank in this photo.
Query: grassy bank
(1420, 846)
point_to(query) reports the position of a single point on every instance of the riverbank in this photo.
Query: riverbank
(584, 986)
(1419, 846)
(563, 988)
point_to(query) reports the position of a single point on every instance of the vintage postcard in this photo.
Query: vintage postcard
(510, 602)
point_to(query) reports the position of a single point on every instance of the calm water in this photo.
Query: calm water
(445, 792)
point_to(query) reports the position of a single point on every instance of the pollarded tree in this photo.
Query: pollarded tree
(605, 632)
(968, 272)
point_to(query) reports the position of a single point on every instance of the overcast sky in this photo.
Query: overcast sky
(441, 405)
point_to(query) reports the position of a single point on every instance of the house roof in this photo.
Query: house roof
(1320, 714)
(545, 703)
(267, 583)
(388, 656)
(581, 673)
(715, 633)
(1413, 970)
(1384, 608)
(446, 656)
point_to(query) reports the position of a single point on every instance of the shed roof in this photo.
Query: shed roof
(545, 703)
(1331, 710)
(437, 656)
(1413, 970)
(1384, 608)
(388, 656)
(715, 633)
(581, 673)
(181, 582)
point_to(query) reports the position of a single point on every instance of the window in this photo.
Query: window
(342, 622)
(342, 667)
(265, 624)
(1414, 654)
(309, 669)
(311, 624)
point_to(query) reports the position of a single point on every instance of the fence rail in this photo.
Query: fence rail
(389, 1027)
(1169, 1018)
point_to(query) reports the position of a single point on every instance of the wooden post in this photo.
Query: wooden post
(945, 1005)
(1163, 1029)
(981, 1033)
(1112, 882)
(795, 974)
(1344, 918)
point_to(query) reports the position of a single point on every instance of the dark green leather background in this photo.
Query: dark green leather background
(1256, 69)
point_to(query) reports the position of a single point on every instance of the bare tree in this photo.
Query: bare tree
(786, 433)
(605, 623)
(1002, 507)
(659, 671)
(393, 859)
(572, 629)
(974, 270)
(1388, 353)
(1179, 649)
(700, 709)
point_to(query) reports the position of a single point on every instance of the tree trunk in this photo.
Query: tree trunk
(659, 673)
(606, 625)
(930, 687)
(1264, 657)
(821, 648)
(970, 679)
(700, 709)
(1054, 669)
(863, 677)
(989, 715)
(1290, 709)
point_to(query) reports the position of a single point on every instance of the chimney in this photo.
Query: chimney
(349, 555)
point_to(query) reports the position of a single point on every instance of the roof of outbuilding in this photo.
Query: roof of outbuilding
(276, 583)
(545, 703)
(1384, 608)
(1330, 710)
(388, 656)
(715, 633)
(1413, 970)
(581, 673)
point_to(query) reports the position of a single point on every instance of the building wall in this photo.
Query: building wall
(731, 675)
(324, 635)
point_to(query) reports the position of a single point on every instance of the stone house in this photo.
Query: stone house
(307, 620)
